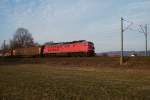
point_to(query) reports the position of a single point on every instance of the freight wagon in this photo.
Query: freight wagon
(5, 53)
(27, 52)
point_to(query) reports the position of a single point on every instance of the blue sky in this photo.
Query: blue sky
(67, 20)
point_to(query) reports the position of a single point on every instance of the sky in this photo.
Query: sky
(67, 20)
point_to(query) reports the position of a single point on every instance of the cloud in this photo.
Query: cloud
(67, 20)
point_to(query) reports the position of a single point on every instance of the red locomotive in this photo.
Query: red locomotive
(75, 48)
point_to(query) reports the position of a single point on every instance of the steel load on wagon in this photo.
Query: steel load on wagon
(5, 53)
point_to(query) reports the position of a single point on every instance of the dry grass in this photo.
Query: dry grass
(65, 79)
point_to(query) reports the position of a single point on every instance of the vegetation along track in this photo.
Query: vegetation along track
(75, 78)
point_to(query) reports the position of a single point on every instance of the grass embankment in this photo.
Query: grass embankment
(97, 78)
(56, 80)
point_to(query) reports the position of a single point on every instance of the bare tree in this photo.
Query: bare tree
(22, 38)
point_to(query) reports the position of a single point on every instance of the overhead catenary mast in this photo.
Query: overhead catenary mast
(145, 40)
(4, 45)
(121, 57)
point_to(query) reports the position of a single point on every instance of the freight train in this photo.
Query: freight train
(75, 48)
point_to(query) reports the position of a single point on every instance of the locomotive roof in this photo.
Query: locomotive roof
(69, 42)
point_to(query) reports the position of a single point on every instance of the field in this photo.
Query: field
(96, 78)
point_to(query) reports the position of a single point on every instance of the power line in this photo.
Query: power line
(140, 29)
(131, 22)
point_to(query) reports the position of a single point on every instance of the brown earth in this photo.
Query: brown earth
(86, 78)
(98, 62)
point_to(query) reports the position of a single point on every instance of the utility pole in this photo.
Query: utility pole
(145, 40)
(4, 45)
(144, 30)
(121, 58)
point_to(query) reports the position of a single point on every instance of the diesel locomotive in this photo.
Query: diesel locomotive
(75, 48)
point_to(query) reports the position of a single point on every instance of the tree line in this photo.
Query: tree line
(21, 39)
